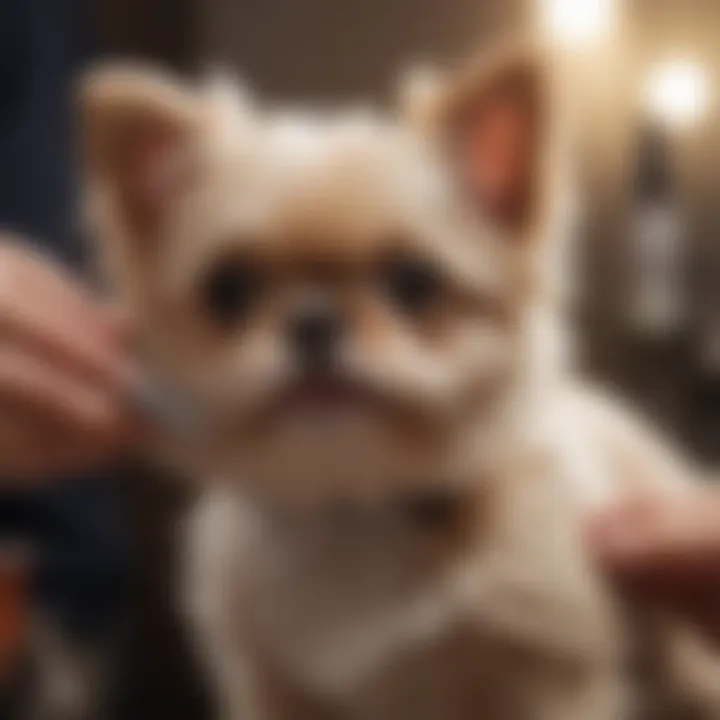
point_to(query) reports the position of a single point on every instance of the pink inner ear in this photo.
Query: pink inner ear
(152, 157)
(496, 146)
(150, 174)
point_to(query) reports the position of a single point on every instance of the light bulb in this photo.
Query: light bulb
(576, 22)
(677, 93)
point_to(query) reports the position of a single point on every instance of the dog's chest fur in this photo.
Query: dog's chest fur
(353, 610)
(331, 603)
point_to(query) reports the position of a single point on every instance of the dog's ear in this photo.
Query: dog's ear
(138, 128)
(498, 120)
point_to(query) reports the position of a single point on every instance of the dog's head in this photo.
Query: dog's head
(345, 294)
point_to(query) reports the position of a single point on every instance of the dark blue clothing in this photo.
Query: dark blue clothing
(41, 48)
(76, 525)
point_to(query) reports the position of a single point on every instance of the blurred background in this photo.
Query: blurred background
(642, 79)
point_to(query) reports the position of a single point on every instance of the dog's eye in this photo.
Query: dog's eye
(228, 291)
(412, 284)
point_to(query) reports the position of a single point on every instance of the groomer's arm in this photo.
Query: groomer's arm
(63, 379)
(665, 548)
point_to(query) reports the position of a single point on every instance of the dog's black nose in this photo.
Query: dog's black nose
(314, 337)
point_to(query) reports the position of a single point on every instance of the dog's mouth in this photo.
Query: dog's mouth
(323, 397)
(334, 399)
(326, 392)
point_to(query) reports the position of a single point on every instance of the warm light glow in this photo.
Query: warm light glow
(677, 93)
(576, 22)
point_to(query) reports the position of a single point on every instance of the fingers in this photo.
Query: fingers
(34, 385)
(64, 377)
(25, 273)
(666, 550)
(51, 317)
(661, 533)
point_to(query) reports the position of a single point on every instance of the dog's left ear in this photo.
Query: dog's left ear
(497, 119)
(138, 124)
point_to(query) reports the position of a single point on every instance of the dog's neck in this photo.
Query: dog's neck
(423, 509)
(425, 502)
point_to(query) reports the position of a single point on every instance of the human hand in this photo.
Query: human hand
(665, 549)
(63, 376)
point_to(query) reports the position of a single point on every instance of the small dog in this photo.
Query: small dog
(395, 458)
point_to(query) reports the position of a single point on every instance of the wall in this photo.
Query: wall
(340, 48)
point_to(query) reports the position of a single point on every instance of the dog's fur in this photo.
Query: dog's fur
(407, 544)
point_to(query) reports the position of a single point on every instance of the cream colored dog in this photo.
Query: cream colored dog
(395, 458)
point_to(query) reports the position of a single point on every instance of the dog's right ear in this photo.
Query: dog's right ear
(138, 128)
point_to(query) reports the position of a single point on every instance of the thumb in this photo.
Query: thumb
(623, 533)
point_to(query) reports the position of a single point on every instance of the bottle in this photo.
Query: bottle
(658, 292)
